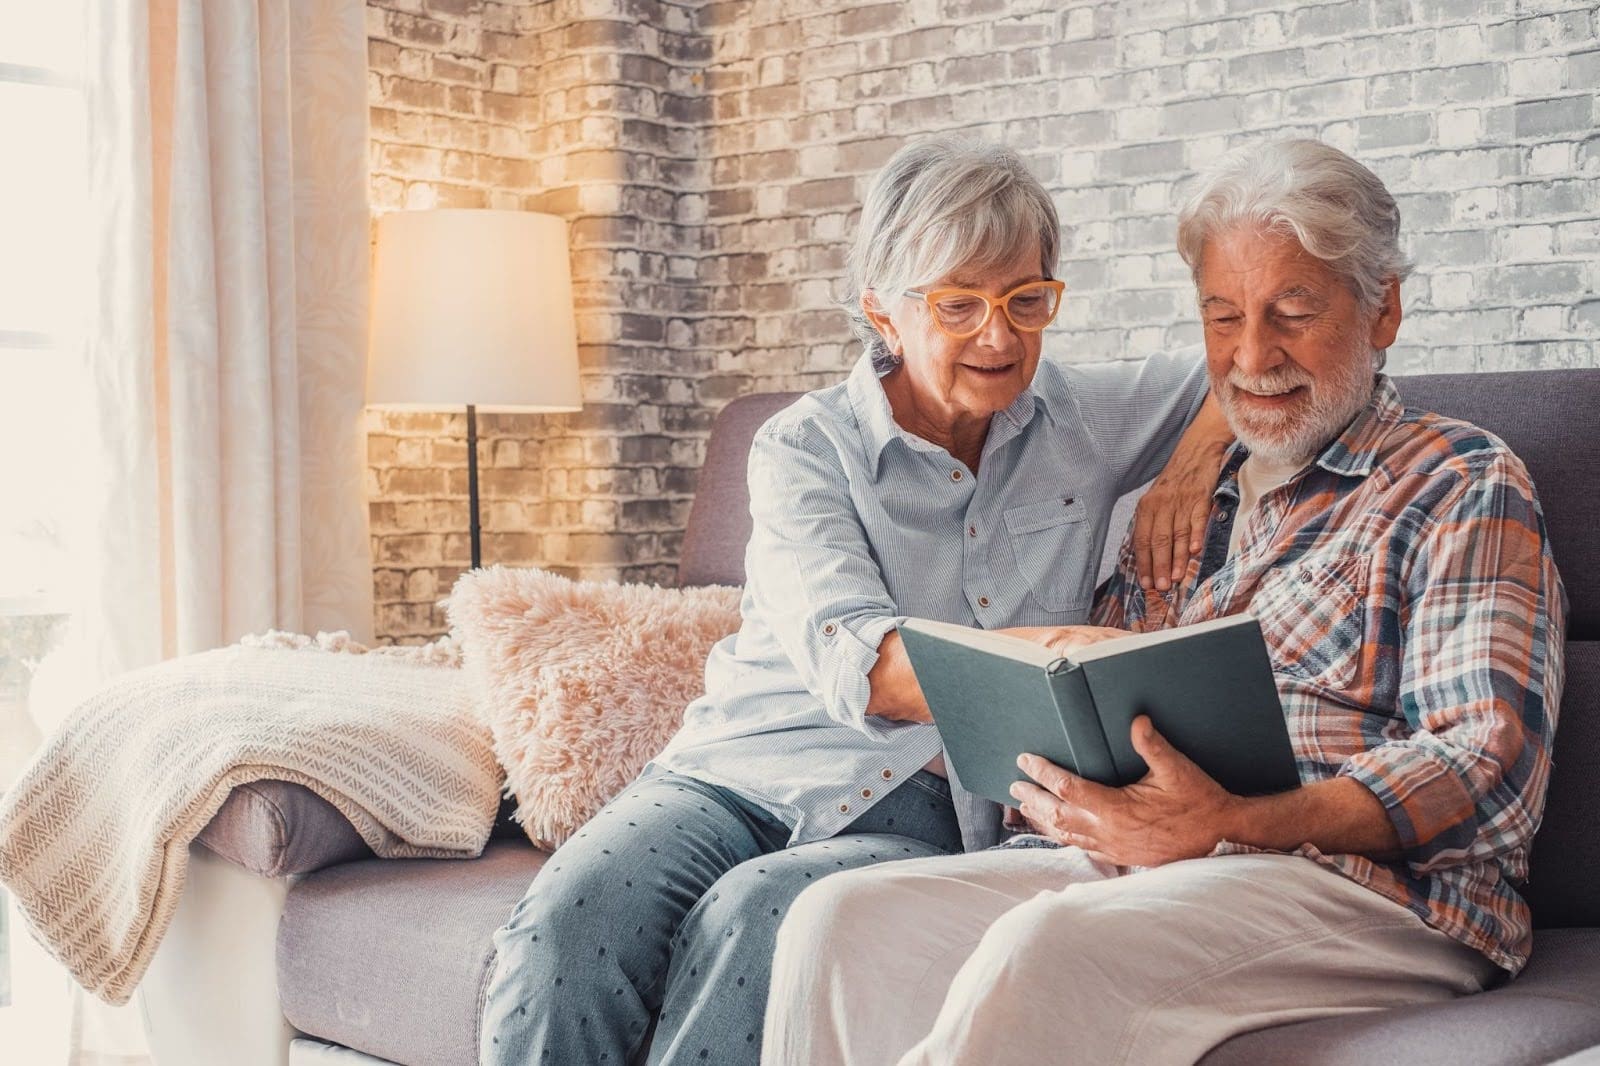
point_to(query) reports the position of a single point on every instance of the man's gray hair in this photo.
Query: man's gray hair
(1336, 208)
(940, 205)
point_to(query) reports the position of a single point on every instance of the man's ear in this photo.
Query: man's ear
(1386, 324)
(880, 321)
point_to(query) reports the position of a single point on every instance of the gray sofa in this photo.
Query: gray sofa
(389, 959)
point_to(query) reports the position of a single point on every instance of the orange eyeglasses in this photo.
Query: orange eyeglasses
(962, 313)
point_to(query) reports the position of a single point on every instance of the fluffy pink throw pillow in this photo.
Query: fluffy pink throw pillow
(581, 682)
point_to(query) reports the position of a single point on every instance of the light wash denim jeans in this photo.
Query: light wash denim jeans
(666, 906)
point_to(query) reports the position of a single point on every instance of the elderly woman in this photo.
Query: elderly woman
(953, 476)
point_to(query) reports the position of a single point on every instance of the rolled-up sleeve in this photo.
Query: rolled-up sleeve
(1137, 410)
(1481, 679)
(811, 574)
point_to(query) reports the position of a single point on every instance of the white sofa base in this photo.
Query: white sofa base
(307, 1051)
(211, 993)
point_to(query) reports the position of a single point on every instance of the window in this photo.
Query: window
(42, 286)
(43, 283)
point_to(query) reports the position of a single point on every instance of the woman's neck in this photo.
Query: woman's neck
(962, 435)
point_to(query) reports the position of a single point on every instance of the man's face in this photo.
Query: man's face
(1288, 347)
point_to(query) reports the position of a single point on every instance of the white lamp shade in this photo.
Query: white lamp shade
(473, 307)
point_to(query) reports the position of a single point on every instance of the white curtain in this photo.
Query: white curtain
(226, 347)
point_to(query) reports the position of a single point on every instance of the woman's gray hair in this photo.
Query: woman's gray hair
(1336, 208)
(940, 205)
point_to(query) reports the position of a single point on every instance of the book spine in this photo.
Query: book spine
(1075, 704)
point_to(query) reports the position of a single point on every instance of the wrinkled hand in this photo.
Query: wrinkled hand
(1176, 811)
(1064, 640)
(1169, 524)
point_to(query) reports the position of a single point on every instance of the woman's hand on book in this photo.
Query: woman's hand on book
(1068, 639)
(1176, 811)
(1064, 640)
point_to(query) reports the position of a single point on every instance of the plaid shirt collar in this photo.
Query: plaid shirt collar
(1353, 453)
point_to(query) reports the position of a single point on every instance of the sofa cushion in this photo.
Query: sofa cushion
(1552, 1010)
(392, 957)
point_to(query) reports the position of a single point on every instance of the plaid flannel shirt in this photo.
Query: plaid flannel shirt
(1415, 619)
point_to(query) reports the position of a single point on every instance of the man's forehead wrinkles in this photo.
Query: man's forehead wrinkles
(1296, 292)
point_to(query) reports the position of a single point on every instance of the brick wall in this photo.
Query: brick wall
(1481, 116)
(710, 156)
(587, 112)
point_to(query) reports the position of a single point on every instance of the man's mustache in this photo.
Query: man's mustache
(1278, 379)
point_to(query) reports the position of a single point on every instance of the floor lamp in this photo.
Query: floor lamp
(472, 308)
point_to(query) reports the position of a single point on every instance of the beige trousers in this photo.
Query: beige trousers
(1045, 956)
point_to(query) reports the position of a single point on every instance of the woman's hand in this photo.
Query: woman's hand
(1169, 525)
(1064, 640)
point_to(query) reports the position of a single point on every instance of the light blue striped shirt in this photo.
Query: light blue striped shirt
(859, 524)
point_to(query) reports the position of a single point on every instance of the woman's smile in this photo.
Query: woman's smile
(991, 370)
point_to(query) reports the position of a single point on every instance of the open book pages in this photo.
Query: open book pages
(1027, 651)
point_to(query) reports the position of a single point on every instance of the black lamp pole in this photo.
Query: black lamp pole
(472, 483)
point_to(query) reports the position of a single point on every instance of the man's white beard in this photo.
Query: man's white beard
(1292, 436)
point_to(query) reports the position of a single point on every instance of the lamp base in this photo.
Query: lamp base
(472, 486)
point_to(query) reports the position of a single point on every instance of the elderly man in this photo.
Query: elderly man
(1398, 565)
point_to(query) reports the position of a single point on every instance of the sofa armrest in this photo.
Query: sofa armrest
(211, 993)
(275, 829)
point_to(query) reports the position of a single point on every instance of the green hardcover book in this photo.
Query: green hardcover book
(1207, 688)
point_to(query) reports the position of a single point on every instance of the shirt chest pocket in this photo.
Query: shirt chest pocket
(1051, 541)
(1313, 617)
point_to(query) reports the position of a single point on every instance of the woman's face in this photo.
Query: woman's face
(952, 380)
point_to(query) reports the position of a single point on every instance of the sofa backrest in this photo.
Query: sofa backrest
(719, 519)
(1551, 418)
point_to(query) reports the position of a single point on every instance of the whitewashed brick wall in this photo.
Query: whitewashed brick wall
(711, 156)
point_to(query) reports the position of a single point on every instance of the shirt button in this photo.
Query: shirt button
(866, 793)
(844, 808)
(1305, 576)
(888, 774)
(955, 475)
(983, 601)
(829, 630)
(1222, 516)
(972, 531)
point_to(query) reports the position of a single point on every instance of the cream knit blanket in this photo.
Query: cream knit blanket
(94, 838)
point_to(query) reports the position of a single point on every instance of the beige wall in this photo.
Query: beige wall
(710, 156)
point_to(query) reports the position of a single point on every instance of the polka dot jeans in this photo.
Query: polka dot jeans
(663, 911)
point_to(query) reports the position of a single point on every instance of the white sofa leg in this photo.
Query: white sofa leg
(211, 993)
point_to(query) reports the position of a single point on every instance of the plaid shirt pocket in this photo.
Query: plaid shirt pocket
(1314, 617)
